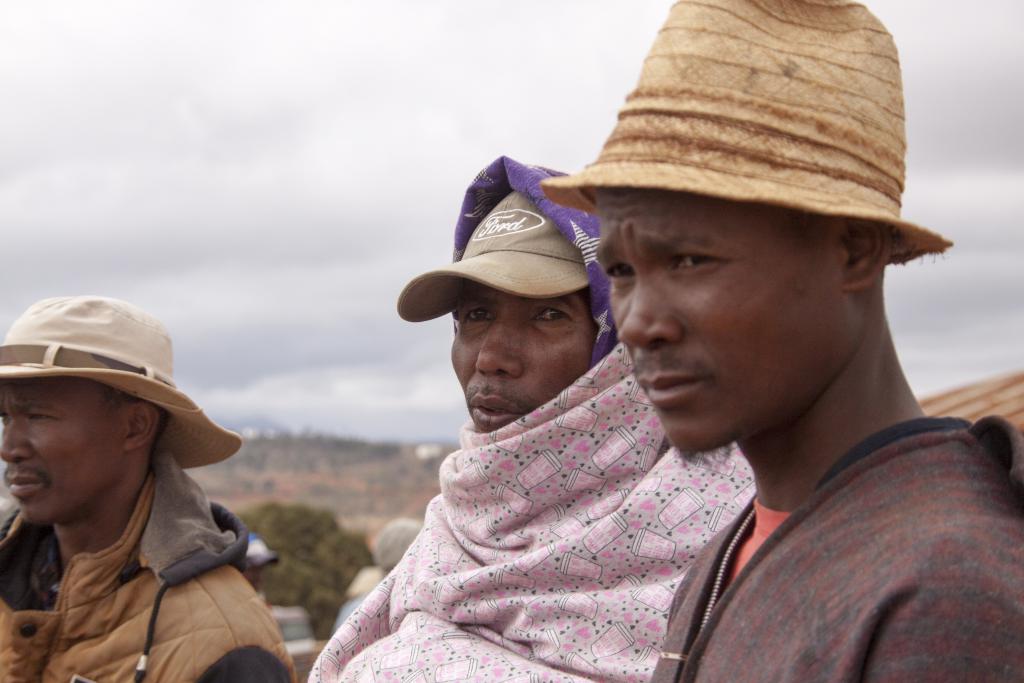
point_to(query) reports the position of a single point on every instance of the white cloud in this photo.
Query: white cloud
(419, 397)
(265, 177)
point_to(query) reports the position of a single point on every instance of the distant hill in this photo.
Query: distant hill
(365, 484)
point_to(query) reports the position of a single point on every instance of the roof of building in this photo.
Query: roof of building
(1003, 395)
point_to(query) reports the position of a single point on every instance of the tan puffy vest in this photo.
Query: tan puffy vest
(98, 629)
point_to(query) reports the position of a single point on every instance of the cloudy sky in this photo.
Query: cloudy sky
(266, 176)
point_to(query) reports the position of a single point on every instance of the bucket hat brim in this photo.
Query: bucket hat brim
(189, 435)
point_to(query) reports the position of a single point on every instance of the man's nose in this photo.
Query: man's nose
(646, 317)
(501, 351)
(11, 444)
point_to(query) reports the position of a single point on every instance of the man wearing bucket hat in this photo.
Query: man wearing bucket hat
(115, 566)
(565, 523)
(749, 200)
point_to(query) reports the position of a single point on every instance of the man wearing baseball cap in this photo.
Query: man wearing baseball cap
(565, 523)
(115, 566)
(749, 200)
(258, 556)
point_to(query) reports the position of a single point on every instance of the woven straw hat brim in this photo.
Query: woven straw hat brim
(533, 276)
(190, 435)
(579, 191)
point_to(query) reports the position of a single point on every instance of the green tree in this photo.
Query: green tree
(318, 559)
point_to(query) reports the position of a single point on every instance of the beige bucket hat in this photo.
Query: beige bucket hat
(515, 249)
(797, 103)
(117, 344)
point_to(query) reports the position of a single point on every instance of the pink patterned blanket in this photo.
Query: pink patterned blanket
(552, 553)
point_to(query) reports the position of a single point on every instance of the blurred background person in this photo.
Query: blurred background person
(389, 545)
(257, 558)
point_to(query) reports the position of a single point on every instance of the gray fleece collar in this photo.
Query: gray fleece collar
(186, 535)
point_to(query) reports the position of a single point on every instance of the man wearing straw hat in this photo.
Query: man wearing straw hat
(115, 566)
(565, 522)
(749, 200)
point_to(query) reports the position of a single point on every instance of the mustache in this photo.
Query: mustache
(35, 472)
(645, 362)
(521, 404)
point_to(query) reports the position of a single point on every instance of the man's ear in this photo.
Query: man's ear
(868, 249)
(143, 421)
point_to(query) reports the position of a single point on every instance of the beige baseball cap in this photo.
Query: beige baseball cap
(515, 249)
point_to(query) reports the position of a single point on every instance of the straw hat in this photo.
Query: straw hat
(514, 249)
(117, 344)
(797, 103)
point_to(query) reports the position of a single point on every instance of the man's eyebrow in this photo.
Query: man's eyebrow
(660, 242)
(12, 400)
(650, 242)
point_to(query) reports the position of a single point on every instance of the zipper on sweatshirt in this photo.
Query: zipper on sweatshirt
(719, 582)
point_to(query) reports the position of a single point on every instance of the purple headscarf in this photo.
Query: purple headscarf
(504, 176)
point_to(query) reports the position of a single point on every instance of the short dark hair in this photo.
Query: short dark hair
(800, 220)
(115, 398)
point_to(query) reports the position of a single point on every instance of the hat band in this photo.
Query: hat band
(63, 357)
